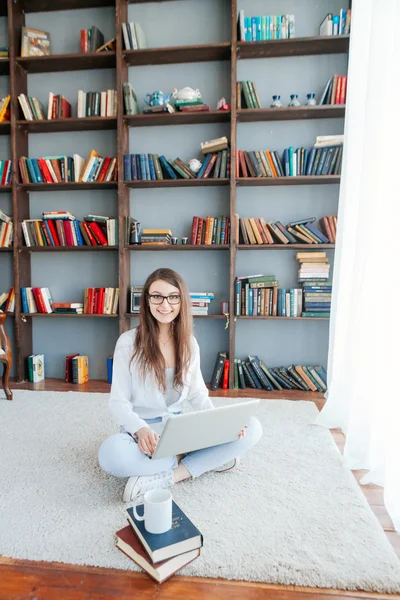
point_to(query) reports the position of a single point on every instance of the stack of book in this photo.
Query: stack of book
(210, 230)
(159, 237)
(36, 368)
(193, 105)
(271, 27)
(253, 230)
(5, 108)
(36, 300)
(100, 301)
(130, 99)
(63, 169)
(67, 308)
(200, 302)
(133, 36)
(246, 95)
(136, 296)
(6, 230)
(336, 24)
(97, 104)
(91, 39)
(7, 301)
(5, 172)
(314, 274)
(61, 228)
(160, 555)
(335, 90)
(254, 373)
(215, 145)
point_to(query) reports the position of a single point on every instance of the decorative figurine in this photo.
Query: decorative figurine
(222, 104)
(276, 102)
(186, 93)
(311, 101)
(194, 165)
(294, 100)
(157, 99)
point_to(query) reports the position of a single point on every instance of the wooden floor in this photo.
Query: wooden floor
(20, 580)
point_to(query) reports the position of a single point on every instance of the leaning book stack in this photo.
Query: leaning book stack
(317, 290)
(200, 302)
(157, 237)
(160, 555)
(7, 301)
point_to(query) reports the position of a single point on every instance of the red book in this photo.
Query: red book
(243, 164)
(129, 544)
(95, 301)
(90, 235)
(199, 231)
(40, 305)
(44, 169)
(60, 232)
(6, 171)
(82, 40)
(227, 230)
(195, 225)
(327, 229)
(69, 238)
(68, 367)
(89, 304)
(53, 230)
(100, 301)
(98, 234)
(65, 108)
(225, 375)
(338, 88)
(104, 168)
(342, 98)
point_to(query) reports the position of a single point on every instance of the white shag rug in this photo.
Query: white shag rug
(289, 514)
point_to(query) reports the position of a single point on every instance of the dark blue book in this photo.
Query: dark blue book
(322, 373)
(285, 158)
(138, 170)
(32, 172)
(79, 238)
(322, 160)
(109, 368)
(204, 166)
(127, 168)
(317, 233)
(133, 167)
(167, 168)
(310, 161)
(182, 537)
(152, 168)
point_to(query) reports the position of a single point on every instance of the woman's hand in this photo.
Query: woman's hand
(147, 440)
(242, 433)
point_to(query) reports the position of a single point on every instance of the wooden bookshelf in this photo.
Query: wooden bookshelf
(230, 51)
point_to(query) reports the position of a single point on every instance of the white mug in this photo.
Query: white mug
(157, 511)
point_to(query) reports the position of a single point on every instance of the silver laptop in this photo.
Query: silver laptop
(195, 430)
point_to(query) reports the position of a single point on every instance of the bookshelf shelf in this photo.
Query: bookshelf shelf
(176, 183)
(4, 66)
(178, 118)
(6, 249)
(338, 44)
(284, 318)
(178, 54)
(67, 62)
(71, 124)
(68, 248)
(290, 113)
(177, 247)
(5, 128)
(66, 315)
(79, 186)
(285, 246)
(302, 180)
(51, 5)
(5, 189)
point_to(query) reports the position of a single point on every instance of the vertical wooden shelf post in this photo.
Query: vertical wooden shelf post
(232, 203)
(20, 199)
(123, 191)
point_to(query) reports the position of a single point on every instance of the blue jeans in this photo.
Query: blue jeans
(119, 455)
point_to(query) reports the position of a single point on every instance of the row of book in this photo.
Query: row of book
(254, 373)
(90, 39)
(336, 24)
(153, 167)
(261, 28)
(253, 231)
(35, 42)
(313, 274)
(5, 172)
(100, 301)
(246, 95)
(61, 228)
(90, 104)
(5, 109)
(7, 301)
(133, 36)
(210, 230)
(60, 169)
(6, 230)
(335, 91)
(97, 104)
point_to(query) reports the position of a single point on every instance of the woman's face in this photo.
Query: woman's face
(161, 309)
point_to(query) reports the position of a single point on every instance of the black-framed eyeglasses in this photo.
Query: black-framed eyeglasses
(158, 299)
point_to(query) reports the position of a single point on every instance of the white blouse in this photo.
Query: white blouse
(133, 399)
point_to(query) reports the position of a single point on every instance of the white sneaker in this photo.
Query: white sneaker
(137, 486)
(227, 466)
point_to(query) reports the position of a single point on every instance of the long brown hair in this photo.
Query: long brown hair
(146, 349)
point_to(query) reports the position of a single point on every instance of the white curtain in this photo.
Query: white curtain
(364, 346)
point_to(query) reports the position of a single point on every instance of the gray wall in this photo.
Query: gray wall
(170, 24)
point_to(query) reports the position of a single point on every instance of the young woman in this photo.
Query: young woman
(156, 369)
